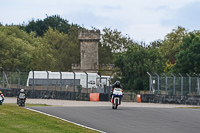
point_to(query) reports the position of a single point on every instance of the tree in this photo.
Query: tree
(57, 51)
(156, 44)
(105, 54)
(134, 65)
(171, 44)
(41, 26)
(112, 42)
(189, 56)
(15, 48)
(42, 57)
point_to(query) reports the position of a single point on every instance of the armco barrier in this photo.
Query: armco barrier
(41, 94)
(170, 99)
(65, 95)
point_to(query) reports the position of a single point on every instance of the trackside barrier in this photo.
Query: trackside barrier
(138, 98)
(103, 97)
(99, 97)
(44, 94)
(170, 99)
(94, 96)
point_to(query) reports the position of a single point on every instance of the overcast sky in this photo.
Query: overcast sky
(142, 20)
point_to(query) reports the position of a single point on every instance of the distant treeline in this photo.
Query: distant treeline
(52, 44)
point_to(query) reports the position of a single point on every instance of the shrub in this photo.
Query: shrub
(79, 87)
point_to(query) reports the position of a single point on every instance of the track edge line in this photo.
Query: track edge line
(65, 120)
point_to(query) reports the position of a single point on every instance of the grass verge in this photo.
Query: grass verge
(15, 119)
(189, 107)
(36, 105)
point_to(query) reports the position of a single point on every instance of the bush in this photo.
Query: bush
(79, 87)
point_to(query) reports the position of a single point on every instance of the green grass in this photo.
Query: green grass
(15, 119)
(190, 107)
(35, 105)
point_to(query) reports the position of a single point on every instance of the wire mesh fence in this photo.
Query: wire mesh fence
(174, 85)
(55, 81)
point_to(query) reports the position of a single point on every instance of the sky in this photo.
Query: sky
(141, 20)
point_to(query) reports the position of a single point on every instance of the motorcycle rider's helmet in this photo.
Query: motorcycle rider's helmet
(117, 83)
(22, 90)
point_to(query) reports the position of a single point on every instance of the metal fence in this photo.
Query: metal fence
(174, 85)
(23, 80)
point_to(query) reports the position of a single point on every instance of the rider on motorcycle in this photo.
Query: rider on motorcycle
(115, 85)
(1, 95)
(19, 93)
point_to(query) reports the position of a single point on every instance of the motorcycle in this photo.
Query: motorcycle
(116, 97)
(21, 100)
(1, 100)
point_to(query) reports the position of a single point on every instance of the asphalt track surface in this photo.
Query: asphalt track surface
(130, 119)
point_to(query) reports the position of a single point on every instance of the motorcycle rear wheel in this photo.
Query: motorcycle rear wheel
(116, 103)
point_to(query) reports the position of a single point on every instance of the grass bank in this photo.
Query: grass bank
(16, 119)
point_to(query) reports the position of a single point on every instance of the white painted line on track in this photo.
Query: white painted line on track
(66, 120)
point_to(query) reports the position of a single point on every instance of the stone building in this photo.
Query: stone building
(89, 40)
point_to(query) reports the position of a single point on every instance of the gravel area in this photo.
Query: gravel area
(55, 102)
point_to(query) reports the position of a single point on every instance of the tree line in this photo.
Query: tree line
(52, 44)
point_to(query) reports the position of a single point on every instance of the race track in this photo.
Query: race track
(130, 119)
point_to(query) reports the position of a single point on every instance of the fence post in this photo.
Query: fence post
(198, 86)
(74, 79)
(33, 80)
(198, 92)
(197, 83)
(60, 80)
(3, 77)
(158, 83)
(150, 79)
(189, 83)
(165, 83)
(181, 84)
(174, 83)
(18, 79)
(99, 73)
(86, 80)
(47, 79)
